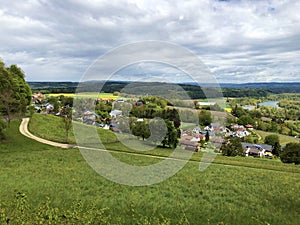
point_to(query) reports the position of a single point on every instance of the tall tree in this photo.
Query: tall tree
(233, 147)
(276, 149)
(205, 118)
(66, 114)
(272, 139)
(141, 129)
(291, 153)
(15, 93)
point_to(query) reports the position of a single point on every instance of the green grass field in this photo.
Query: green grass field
(235, 193)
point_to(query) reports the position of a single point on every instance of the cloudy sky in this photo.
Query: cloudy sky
(238, 40)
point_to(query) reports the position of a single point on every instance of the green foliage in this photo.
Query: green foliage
(291, 153)
(15, 93)
(238, 111)
(171, 138)
(233, 147)
(245, 119)
(272, 139)
(141, 129)
(2, 128)
(205, 118)
(276, 149)
(116, 93)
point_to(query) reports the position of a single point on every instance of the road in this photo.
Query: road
(24, 130)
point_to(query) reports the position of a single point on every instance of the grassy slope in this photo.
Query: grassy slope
(232, 195)
(284, 139)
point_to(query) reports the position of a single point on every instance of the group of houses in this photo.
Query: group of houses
(191, 139)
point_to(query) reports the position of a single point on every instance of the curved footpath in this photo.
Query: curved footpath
(24, 130)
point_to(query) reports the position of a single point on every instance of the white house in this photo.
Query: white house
(115, 113)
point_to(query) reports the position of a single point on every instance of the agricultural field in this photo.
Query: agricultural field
(94, 95)
(52, 185)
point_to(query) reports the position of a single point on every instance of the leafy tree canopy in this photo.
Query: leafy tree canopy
(271, 139)
(15, 93)
(291, 153)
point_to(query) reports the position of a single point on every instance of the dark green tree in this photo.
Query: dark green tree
(2, 128)
(207, 136)
(272, 139)
(15, 93)
(233, 147)
(276, 149)
(141, 129)
(238, 111)
(291, 153)
(205, 118)
(245, 119)
(171, 138)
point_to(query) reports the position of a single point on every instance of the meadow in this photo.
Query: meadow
(284, 139)
(41, 184)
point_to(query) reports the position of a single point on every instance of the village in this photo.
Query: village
(193, 138)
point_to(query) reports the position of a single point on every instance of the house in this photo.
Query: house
(249, 127)
(241, 132)
(138, 103)
(206, 103)
(48, 107)
(197, 130)
(256, 150)
(268, 148)
(37, 98)
(115, 113)
(190, 145)
(38, 109)
(89, 115)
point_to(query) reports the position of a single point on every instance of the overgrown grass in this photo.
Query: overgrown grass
(59, 185)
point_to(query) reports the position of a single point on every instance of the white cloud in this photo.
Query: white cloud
(240, 40)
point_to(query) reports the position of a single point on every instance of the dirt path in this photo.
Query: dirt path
(24, 130)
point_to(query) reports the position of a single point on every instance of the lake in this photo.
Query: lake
(270, 104)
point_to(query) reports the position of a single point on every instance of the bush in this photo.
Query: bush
(291, 153)
(2, 128)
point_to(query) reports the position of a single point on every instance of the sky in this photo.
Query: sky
(239, 41)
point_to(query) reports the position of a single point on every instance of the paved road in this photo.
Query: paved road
(24, 130)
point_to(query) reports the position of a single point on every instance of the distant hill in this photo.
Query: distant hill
(228, 89)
